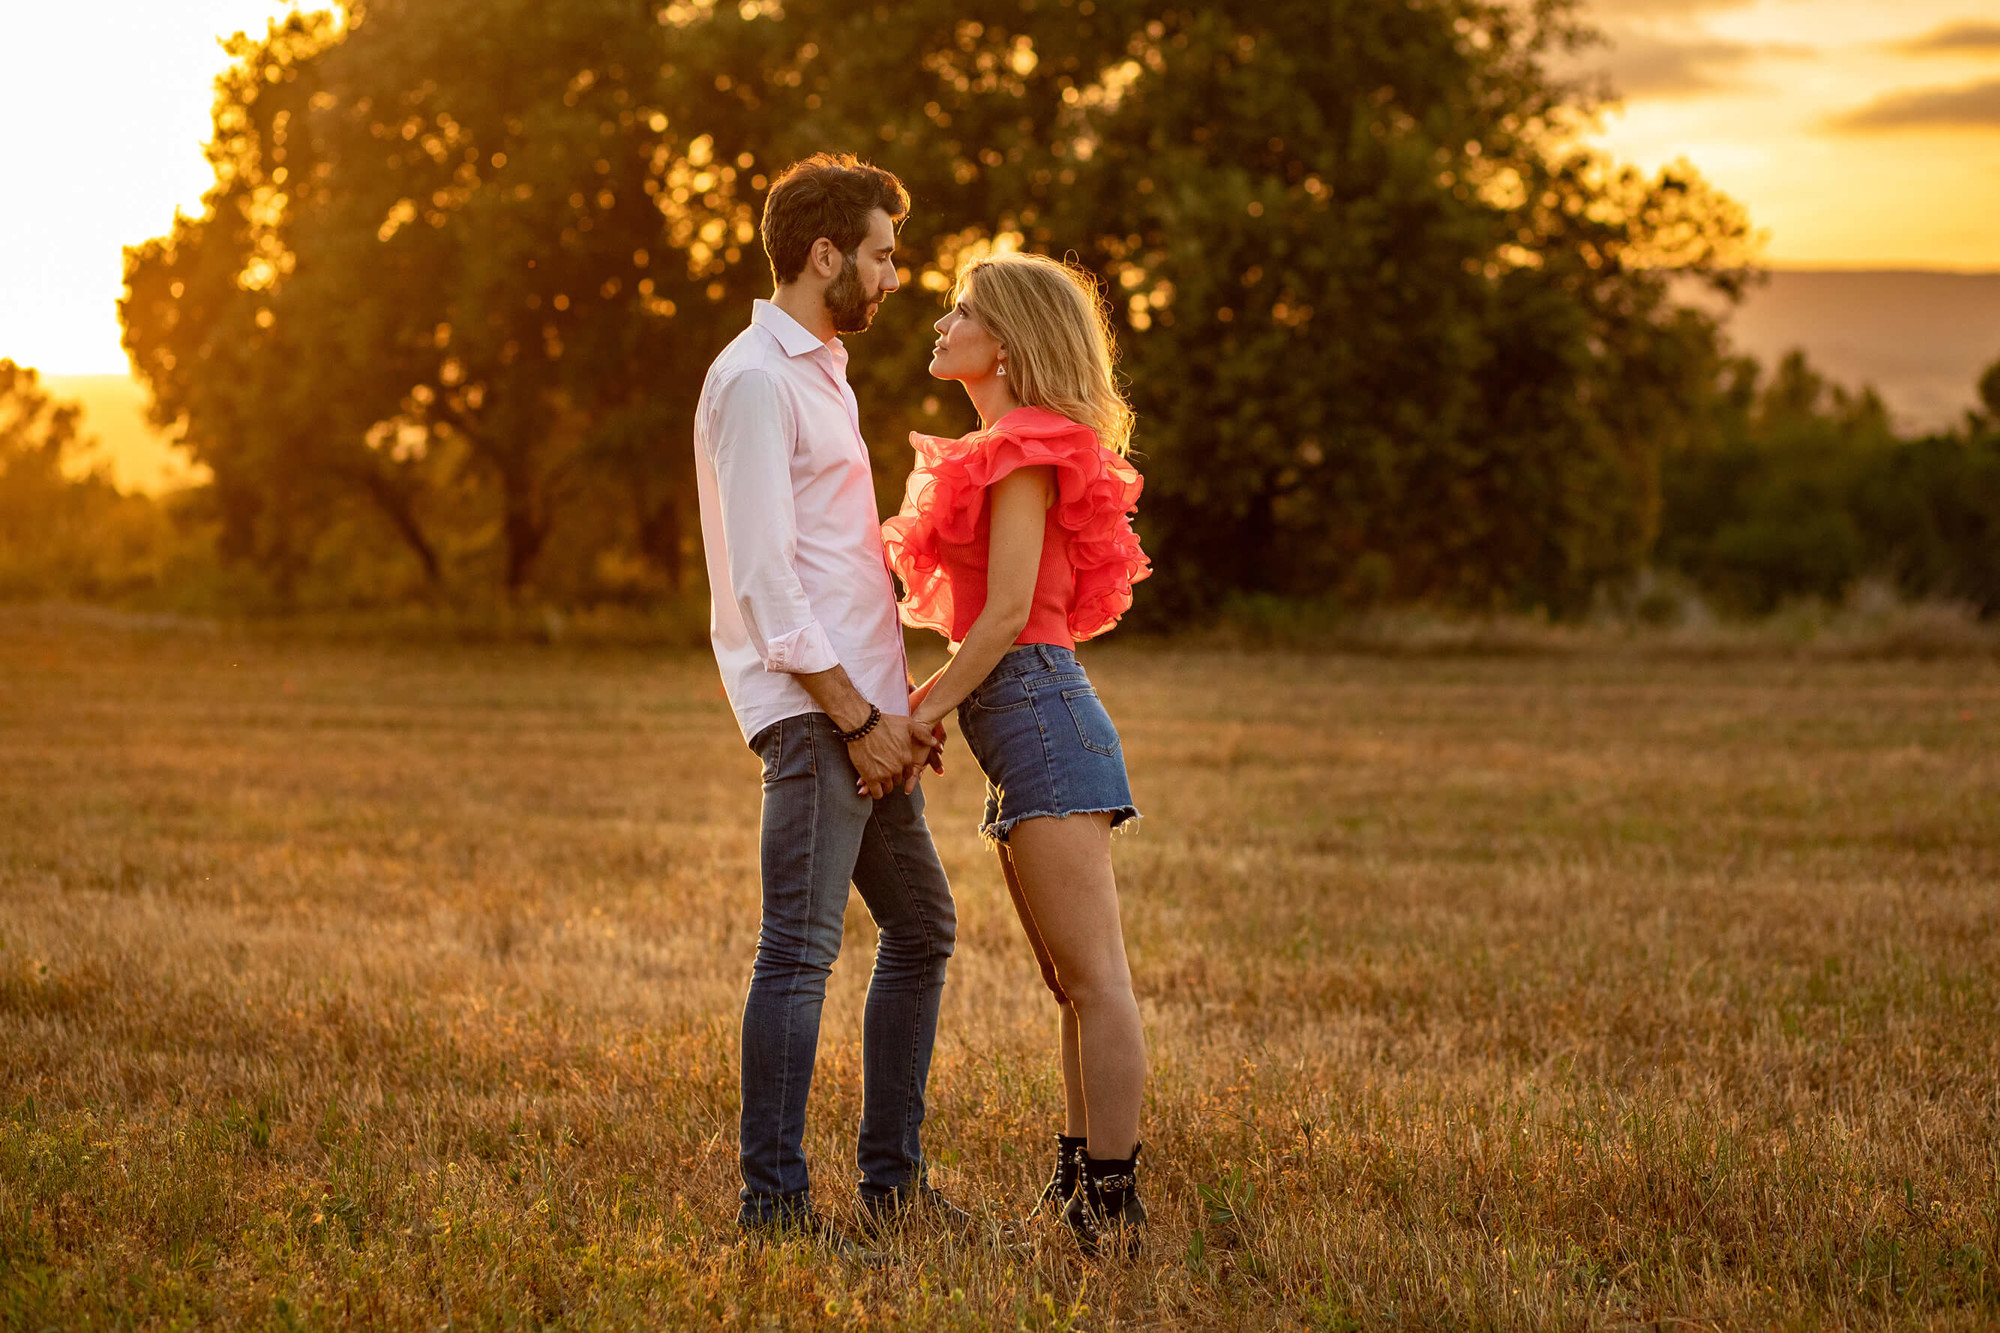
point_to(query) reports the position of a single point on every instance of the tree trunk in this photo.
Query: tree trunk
(660, 539)
(525, 528)
(395, 506)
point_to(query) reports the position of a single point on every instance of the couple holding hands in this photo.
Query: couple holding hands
(1014, 542)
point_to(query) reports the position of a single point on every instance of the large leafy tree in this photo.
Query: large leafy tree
(1388, 331)
(432, 281)
(269, 406)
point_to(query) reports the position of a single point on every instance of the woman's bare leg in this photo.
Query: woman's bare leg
(1075, 1123)
(1063, 870)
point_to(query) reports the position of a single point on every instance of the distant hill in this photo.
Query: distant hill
(114, 410)
(1921, 339)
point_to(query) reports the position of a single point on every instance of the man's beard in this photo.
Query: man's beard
(848, 301)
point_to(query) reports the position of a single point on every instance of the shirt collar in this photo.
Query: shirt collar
(793, 336)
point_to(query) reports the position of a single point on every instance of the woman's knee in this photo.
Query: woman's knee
(1092, 991)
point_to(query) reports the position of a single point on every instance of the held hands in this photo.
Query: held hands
(893, 754)
(936, 757)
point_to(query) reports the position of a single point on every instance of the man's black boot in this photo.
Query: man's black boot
(813, 1228)
(886, 1214)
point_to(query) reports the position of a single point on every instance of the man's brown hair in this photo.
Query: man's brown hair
(831, 195)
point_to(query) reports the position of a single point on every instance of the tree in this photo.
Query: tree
(1388, 331)
(263, 404)
(64, 527)
(1931, 509)
(423, 283)
(1798, 488)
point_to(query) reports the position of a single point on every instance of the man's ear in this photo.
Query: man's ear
(825, 258)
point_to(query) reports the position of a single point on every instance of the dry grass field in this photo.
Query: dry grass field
(397, 986)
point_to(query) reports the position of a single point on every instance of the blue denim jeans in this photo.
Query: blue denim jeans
(818, 834)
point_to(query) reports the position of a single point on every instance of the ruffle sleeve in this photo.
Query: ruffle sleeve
(1096, 491)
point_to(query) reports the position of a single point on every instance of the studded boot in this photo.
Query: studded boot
(1062, 1181)
(1105, 1212)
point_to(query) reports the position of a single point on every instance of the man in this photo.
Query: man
(806, 633)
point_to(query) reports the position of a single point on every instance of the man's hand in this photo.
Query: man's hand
(885, 755)
(880, 757)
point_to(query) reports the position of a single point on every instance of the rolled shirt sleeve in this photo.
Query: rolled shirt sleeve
(750, 450)
(802, 652)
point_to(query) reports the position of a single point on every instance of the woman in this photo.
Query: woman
(1015, 543)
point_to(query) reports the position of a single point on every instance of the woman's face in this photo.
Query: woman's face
(966, 350)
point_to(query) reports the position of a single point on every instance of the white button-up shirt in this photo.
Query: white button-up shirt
(789, 525)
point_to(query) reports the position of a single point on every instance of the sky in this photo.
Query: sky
(1859, 133)
(106, 107)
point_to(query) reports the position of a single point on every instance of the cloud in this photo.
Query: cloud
(1973, 106)
(1955, 39)
(1643, 65)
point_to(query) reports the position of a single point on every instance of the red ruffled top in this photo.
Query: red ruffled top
(937, 544)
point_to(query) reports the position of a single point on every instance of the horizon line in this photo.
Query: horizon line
(1832, 266)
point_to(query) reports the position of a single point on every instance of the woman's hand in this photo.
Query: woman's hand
(892, 756)
(936, 760)
(1019, 504)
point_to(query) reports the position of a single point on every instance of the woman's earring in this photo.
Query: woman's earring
(1000, 369)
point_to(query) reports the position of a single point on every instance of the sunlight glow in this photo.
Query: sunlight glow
(107, 108)
(1761, 119)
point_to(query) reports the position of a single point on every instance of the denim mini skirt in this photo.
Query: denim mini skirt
(1044, 741)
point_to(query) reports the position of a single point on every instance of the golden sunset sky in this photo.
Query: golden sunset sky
(1860, 133)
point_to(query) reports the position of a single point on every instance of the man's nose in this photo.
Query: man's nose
(890, 284)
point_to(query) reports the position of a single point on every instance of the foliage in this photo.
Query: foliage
(373, 323)
(1390, 333)
(1798, 489)
(1387, 334)
(64, 527)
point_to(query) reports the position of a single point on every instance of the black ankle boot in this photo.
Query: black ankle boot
(1105, 1212)
(1062, 1182)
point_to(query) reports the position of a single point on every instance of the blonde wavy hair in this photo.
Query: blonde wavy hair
(1056, 327)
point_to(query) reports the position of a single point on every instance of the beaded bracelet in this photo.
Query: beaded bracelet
(874, 716)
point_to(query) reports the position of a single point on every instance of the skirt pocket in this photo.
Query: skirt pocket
(1093, 724)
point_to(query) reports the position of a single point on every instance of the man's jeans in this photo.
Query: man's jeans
(817, 835)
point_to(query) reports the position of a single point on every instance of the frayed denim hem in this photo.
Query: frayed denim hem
(995, 834)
